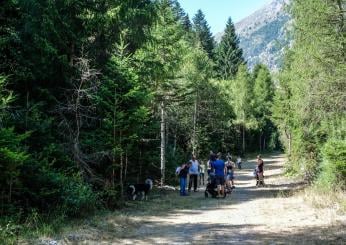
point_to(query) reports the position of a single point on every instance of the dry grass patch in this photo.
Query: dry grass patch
(323, 198)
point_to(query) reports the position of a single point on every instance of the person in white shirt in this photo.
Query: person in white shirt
(239, 162)
(193, 173)
(201, 173)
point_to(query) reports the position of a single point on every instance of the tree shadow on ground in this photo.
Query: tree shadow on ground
(225, 232)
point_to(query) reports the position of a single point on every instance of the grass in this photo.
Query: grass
(325, 198)
(113, 224)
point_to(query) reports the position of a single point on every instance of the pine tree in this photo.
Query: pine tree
(228, 53)
(263, 99)
(203, 33)
(243, 92)
(181, 16)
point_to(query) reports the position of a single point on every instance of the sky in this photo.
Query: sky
(217, 12)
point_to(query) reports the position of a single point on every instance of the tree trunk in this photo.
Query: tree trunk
(2, 202)
(140, 165)
(10, 194)
(243, 139)
(175, 144)
(264, 143)
(126, 163)
(121, 169)
(114, 137)
(163, 143)
(194, 129)
(27, 111)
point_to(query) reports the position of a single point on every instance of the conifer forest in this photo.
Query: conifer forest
(98, 94)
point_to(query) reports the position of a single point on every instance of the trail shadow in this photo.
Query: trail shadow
(154, 221)
(225, 232)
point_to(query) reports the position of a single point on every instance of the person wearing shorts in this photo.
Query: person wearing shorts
(219, 169)
(230, 173)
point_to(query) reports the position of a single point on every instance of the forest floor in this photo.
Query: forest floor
(274, 214)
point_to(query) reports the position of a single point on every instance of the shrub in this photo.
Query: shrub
(78, 198)
(333, 168)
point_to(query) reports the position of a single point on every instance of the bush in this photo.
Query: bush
(78, 198)
(49, 189)
(8, 232)
(333, 169)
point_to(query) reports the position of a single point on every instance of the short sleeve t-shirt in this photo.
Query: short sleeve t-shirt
(219, 167)
(194, 167)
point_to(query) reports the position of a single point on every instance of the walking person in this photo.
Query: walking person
(259, 171)
(219, 168)
(193, 173)
(183, 171)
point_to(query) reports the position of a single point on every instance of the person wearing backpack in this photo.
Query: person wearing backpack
(182, 173)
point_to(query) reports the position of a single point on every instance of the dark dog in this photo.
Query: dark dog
(211, 188)
(140, 189)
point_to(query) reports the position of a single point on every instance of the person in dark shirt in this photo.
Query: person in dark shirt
(219, 169)
(259, 170)
(212, 158)
(184, 170)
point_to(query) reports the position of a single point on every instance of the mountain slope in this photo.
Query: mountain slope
(263, 35)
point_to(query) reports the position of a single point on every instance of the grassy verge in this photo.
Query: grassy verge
(326, 198)
(111, 224)
(12, 230)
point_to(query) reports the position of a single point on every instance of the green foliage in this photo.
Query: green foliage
(308, 103)
(12, 157)
(333, 172)
(203, 33)
(228, 53)
(77, 197)
(243, 91)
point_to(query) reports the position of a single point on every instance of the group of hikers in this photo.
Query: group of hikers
(221, 171)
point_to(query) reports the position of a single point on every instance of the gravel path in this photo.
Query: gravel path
(250, 215)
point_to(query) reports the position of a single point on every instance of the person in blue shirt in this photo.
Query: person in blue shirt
(219, 169)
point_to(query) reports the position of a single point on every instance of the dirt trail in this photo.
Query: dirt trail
(251, 215)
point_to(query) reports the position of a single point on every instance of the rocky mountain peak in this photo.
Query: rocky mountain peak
(263, 36)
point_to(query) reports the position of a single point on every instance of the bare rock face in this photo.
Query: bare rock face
(264, 35)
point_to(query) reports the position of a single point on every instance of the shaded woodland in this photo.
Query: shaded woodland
(96, 94)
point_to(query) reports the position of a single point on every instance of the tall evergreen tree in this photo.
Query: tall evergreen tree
(203, 33)
(262, 102)
(228, 53)
(243, 92)
(181, 16)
